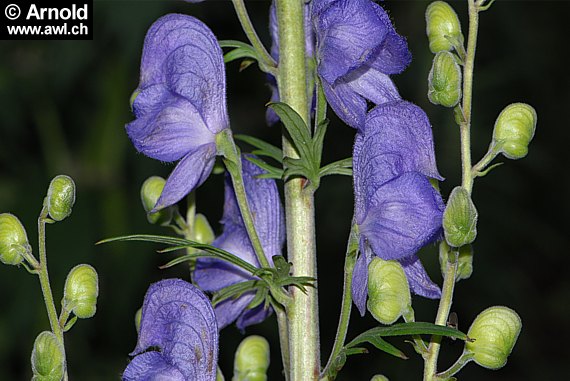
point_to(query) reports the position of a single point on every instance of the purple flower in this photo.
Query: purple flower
(181, 102)
(396, 208)
(212, 274)
(177, 318)
(357, 48)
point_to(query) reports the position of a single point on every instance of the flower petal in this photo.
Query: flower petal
(360, 277)
(404, 215)
(151, 366)
(403, 128)
(349, 96)
(348, 34)
(188, 174)
(182, 51)
(420, 283)
(171, 131)
(178, 318)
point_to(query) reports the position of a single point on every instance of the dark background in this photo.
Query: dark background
(63, 106)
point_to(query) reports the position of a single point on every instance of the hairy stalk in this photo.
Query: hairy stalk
(45, 285)
(251, 34)
(430, 368)
(346, 306)
(283, 340)
(302, 314)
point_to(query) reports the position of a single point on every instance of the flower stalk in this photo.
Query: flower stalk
(430, 368)
(302, 314)
(43, 275)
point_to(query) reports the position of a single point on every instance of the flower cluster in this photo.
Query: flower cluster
(177, 318)
(213, 274)
(180, 104)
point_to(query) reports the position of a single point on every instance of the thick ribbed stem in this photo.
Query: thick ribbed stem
(302, 313)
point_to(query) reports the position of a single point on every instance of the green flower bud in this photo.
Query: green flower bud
(464, 260)
(13, 240)
(379, 377)
(48, 362)
(442, 27)
(61, 197)
(514, 129)
(444, 81)
(460, 218)
(150, 193)
(81, 291)
(138, 317)
(251, 359)
(388, 290)
(495, 332)
(203, 232)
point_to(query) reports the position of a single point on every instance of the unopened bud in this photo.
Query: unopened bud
(444, 81)
(203, 232)
(13, 240)
(150, 193)
(138, 317)
(251, 359)
(388, 290)
(443, 28)
(460, 218)
(61, 197)
(48, 362)
(495, 332)
(81, 291)
(464, 260)
(514, 129)
(379, 377)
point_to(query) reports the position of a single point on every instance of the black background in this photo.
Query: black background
(63, 106)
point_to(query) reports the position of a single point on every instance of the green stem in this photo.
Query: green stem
(45, 284)
(251, 34)
(493, 151)
(346, 306)
(302, 313)
(465, 127)
(459, 364)
(430, 366)
(283, 340)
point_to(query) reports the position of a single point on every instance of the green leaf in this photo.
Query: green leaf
(263, 148)
(282, 266)
(180, 243)
(318, 140)
(406, 329)
(238, 53)
(233, 44)
(272, 172)
(234, 291)
(341, 167)
(384, 346)
(296, 127)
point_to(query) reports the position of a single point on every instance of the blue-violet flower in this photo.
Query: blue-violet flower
(212, 275)
(397, 209)
(357, 49)
(181, 102)
(177, 318)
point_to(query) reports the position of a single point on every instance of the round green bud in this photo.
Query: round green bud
(150, 193)
(138, 317)
(460, 218)
(442, 27)
(495, 332)
(444, 81)
(464, 260)
(203, 232)
(388, 290)
(48, 362)
(61, 197)
(379, 377)
(514, 129)
(81, 291)
(251, 359)
(13, 240)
